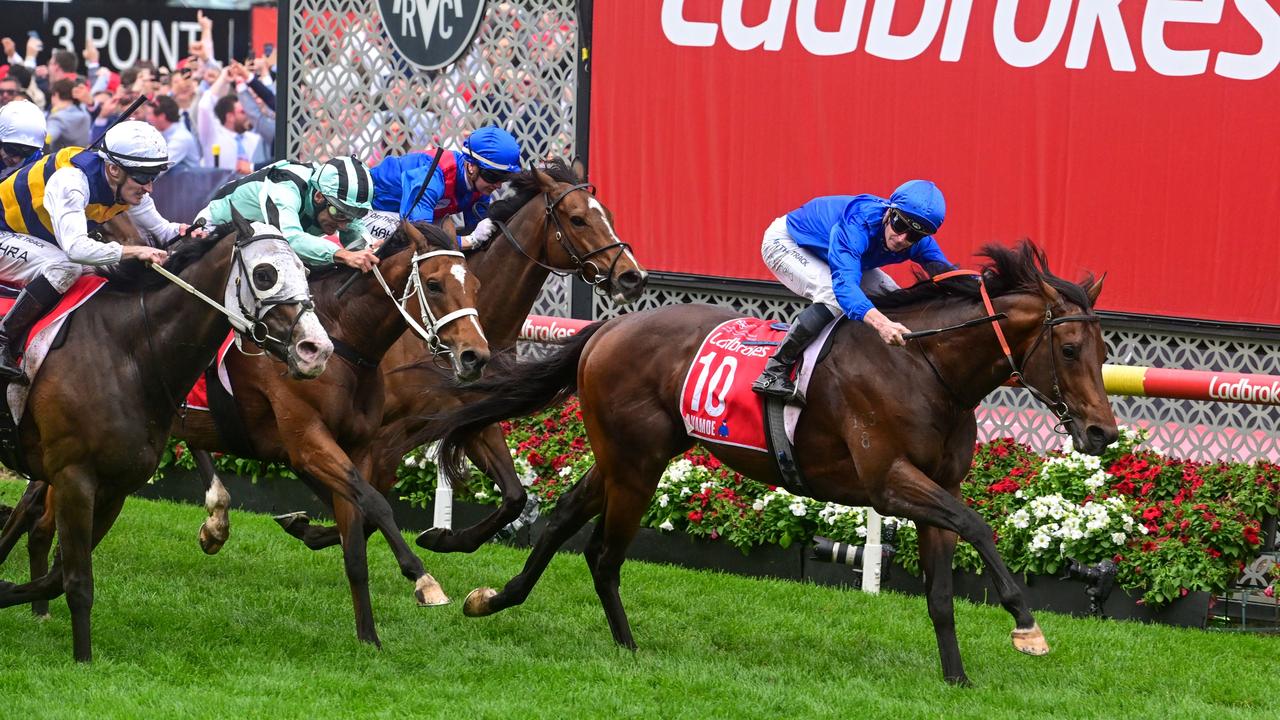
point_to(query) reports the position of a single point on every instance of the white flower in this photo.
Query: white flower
(685, 492)
(758, 505)
(1143, 529)
(1117, 538)
(663, 499)
(1020, 519)
(1096, 480)
(566, 470)
(409, 461)
(798, 508)
(666, 525)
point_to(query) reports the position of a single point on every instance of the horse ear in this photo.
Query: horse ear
(1050, 294)
(243, 228)
(1094, 290)
(579, 168)
(545, 181)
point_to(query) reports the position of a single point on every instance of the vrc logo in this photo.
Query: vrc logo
(431, 33)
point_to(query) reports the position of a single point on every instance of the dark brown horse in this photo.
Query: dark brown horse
(98, 415)
(555, 224)
(882, 427)
(324, 429)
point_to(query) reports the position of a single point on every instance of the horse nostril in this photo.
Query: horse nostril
(308, 350)
(630, 280)
(1099, 437)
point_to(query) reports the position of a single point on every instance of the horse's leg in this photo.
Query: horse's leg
(39, 543)
(19, 522)
(488, 451)
(936, 550)
(911, 494)
(217, 527)
(76, 491)
(583, 502)
(298, 524)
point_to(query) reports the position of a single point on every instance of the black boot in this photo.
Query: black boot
(776, 378)
(36, 299)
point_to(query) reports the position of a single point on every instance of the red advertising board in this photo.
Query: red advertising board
(1137, 138)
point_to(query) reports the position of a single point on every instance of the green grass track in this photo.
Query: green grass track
(265, 630)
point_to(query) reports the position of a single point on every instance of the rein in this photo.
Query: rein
(1057, 405)
(413, 286)
(581, 262)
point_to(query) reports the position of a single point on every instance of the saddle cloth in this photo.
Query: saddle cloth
(198, 398)
(44, 332)
(717, 403)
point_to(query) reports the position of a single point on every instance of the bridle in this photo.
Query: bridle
(429, 328)
(582, 262)
(1056, 404)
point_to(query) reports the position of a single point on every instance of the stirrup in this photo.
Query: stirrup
(12, 373)
(778, 386)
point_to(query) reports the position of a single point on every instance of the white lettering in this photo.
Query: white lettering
(882, 43)
(95, 31)
(1106, 15)
(838, 42)
(682, 32)
(957, 28)
(1266, 21)
(1245, 391)
(769, 33)
(65, 31)
(1160, 56)
(113, 47)
(1013, 49)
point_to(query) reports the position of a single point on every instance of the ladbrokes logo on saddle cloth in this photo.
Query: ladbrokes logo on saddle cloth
(717, 403)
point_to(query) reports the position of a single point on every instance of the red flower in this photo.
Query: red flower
(1251, 535)
(1006, 485)
(1213, 553)
(1151, 513)
(695, 516)
(1146, 488)
(536, 459)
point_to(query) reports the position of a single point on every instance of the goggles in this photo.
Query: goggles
(902, 224)
(142, 177)
(496, 177)
(342, 216)
(17, 150)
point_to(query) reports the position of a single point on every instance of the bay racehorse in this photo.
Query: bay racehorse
(98, 414)
(553, 224)
(887, 427)
(325, 428)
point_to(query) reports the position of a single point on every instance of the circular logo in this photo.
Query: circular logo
(431, 33)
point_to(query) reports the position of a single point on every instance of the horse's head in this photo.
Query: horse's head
(1063, 363)
(577, 231)
(446, 295)
(267, 286)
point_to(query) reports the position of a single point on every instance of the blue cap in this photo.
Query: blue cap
(494, 148)
(921, 203)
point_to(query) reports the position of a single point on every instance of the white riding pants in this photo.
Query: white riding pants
(806, 275)
(24, 258)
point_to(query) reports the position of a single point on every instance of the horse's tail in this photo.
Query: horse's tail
(516, 390)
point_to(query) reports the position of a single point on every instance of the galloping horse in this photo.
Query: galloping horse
(885, 427)
(324, 429)
(98, 414)
(553, 224)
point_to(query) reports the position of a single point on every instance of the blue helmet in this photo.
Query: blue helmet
(493, 148)
(920, 202)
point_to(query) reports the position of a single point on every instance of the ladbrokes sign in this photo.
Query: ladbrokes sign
(431, 33)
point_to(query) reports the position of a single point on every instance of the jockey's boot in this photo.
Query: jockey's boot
(776, 378)
(36, 299)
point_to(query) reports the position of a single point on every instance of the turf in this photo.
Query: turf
(265, 629)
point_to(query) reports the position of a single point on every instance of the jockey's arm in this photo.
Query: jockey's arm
(149, 221)
(283, 206)
(425, 209)
(66, 196)
(354, 236)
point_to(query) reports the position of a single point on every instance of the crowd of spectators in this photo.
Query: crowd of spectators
(211, 113)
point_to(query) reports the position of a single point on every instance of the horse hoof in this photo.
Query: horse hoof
(429, 593)
(1030, 641)
(208, 543)
(431, 539)
(477, 603)
(43, 618)
(292, 521)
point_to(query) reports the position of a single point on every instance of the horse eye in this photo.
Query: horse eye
(435, 286)
(264, 277)
(578, 221)
(1070, 352)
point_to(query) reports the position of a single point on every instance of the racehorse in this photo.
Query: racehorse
(553, 224)
(98, 414)
(325, 428)
(887, 427)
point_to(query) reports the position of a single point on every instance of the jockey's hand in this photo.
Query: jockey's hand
(478, 237)
(145, 253)
(198, 233)
(362, 260)
(891, 332)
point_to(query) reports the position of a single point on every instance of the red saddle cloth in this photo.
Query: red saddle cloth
(198, 398)
(717, 403)
(82, 290)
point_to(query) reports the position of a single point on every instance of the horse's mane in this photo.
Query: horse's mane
(525, 186)
(134, 276)
(1009, 270)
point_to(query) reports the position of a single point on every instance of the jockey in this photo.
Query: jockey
(829, 251)
(50, 206)
(306, 201)
(463, 182)
(22, 136)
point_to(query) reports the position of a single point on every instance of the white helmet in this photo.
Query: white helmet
(22, 123)
(135, 144)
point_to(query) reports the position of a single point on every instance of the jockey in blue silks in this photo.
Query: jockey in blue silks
(829, 251)
(463, 182)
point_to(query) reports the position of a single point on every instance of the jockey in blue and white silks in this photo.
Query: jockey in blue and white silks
(829, 251)
(463, 182)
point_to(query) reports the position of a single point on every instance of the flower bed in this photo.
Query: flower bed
(1172, 527)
